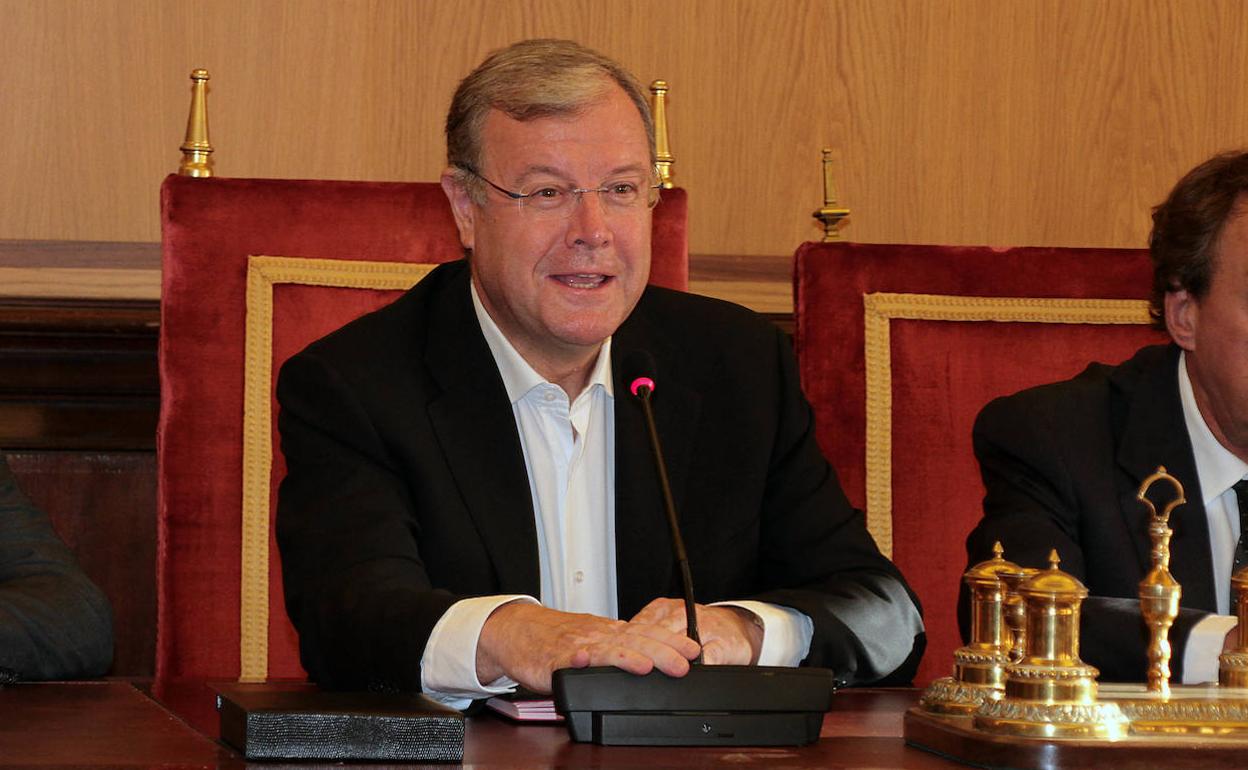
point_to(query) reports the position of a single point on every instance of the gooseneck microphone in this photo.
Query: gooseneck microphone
(639, 366)
(710, 705)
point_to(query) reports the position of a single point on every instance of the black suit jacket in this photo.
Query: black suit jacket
(54, 622)
(407, 490)
(1061, 465)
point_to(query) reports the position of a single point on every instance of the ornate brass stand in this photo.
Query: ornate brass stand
(1039, 704)
(1159, 591)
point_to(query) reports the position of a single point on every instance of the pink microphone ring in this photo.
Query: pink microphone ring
(641, 382)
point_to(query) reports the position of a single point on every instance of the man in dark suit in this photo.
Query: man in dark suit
(471, 502)
(54, 622)
(1062, 463)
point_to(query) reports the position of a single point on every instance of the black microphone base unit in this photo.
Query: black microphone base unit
(710, 706)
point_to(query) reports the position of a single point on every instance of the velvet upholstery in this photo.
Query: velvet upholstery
(209, 229)
(941, 372)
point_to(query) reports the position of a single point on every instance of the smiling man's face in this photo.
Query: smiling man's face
(558, 286)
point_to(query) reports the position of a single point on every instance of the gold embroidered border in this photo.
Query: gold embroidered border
(263, 272)
(881, 308)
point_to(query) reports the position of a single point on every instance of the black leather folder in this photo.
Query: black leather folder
(296, 722)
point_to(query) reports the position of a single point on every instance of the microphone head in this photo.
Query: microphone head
(639, 371)
(639, 383)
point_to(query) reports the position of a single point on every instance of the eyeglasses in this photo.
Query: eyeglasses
(557, 201)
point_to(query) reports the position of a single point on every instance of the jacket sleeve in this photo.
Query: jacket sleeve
(822, 561)
(54, 622)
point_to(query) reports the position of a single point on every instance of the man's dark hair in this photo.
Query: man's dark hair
(1186, 227)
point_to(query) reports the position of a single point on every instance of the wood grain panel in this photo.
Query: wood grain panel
(1043, 122)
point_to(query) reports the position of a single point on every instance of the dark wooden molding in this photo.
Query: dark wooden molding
(78, 374)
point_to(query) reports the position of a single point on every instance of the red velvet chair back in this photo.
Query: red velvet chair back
(900, 347)
(254, 270)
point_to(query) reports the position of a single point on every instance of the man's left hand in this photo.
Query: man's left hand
(730, 635)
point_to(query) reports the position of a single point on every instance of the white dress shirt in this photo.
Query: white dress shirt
(569, 453)
(1218, 471)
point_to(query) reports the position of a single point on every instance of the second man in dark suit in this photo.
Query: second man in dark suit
(1061, 463)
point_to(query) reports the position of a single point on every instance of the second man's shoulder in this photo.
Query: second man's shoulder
(1086, 394)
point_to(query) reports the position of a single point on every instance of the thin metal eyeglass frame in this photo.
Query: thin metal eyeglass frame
(577, 192)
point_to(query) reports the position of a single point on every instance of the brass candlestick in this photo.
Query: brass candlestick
(1159, 591)
(978, 667)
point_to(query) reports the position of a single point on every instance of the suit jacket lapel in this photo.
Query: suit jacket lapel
(476, 429)
(1154, 433)
(644, 560)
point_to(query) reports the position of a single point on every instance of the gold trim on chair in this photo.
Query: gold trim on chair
(881, 308)
(263, 272)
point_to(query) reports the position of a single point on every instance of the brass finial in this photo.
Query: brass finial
(1159, 591)
(196, 149)
(1054, 559)
(830, 215)
(662, 148)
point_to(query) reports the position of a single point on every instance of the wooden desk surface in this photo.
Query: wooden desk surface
(863, 729)
(93, 724)
(112, 723)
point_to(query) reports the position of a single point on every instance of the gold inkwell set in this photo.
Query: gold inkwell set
(1021, 697)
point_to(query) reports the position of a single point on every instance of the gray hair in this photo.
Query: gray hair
(529, 80)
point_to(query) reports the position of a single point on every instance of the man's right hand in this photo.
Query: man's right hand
(528, 642)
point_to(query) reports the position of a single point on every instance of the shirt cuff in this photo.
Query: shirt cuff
(1204, 645)
(786, 632)
(448, 669)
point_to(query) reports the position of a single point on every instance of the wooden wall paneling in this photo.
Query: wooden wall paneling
(953, 121)
(103, 504)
